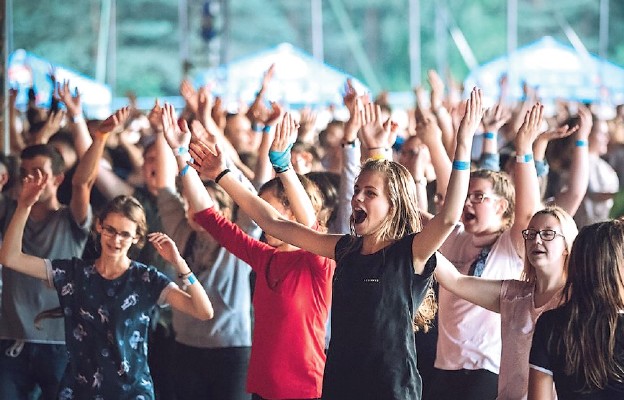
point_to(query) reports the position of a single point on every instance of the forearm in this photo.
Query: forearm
(445, 122)
(11, 255)
(88, 166)
(571, 199)
(81, 135)
(200, 303)
(300, 203)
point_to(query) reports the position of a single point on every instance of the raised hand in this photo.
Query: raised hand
(374, 133)
(495, 117)
(285, 134)
(175, 135)
(529, 130)
(472, 117)
(165, 246)
(188, 93)
(586, 123)
(155, 116)
(72, 102)
(208, 162)
(115, 120)
(32, 188)
(437, 89)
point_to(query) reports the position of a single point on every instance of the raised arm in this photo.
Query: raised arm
(493, 119)
(528, 199)
(431, 135)
(445, 122)
(78, 125)
(88, 166)
(571, 199)
(300, 204)
(210, 162)
(11, 255)
(194, 301)
(440, 226)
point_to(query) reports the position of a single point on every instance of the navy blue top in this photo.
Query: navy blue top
(106, 324)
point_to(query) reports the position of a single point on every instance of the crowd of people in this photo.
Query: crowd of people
(472, 252)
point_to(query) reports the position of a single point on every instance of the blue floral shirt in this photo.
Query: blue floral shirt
(106, 324)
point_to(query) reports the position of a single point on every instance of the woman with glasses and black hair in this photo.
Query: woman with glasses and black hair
(548, 240)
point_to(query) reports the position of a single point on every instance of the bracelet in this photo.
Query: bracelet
(181, 150)
(379, 148)
(525, 158)
(281, 169)
(461, 165)
(266, 129)
(581, 143)
(189, 279)
(221, 175)
(185, 169)
(77, 118)
(348, 143)
(378, 157)
(182, 276)
(489, 135)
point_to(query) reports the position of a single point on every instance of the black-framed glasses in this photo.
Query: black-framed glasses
(545, 234)
(112, 232)
(479, 197)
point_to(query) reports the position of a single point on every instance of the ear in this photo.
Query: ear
(98, 226)
(501, 206)
(58, 179)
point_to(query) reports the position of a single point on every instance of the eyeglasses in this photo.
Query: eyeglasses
(545, 234)
(112, 232)
(479, 197)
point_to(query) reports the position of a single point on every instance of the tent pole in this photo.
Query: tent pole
(414, 42)
(512, 42)
(316, 11)
(6, 19)
(604, 37)
(100, 68)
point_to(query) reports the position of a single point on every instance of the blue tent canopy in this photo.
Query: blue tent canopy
(557, 70)
(26, 70)
(298, 79)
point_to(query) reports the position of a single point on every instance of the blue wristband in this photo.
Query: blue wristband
(280, 159)
(489, 135)
(185, 169)
(581, 143)
(524, 158)
(266, 129)
(189, 279)
(461, 165)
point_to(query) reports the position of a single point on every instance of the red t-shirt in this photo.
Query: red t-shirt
(291, 304)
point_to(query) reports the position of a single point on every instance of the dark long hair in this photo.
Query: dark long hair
(593, 292)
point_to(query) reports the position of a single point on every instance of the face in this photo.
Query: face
(370, 203)
(270, 197)
(545, 255)
(117, 234)
(238, 131)
(409, 150)
(483, 208)
(149, 168)
(44, 164)
(599, 137)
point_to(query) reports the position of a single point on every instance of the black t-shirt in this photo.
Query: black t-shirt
(544, 355)
(372, 354)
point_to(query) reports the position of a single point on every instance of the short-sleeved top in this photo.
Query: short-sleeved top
(24, 297)
(546, 358)
(291, 305)
(106, 324)
(372, 353)
(518, 316)
(469, 336)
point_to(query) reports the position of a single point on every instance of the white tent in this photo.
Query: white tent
(557, 70)
(298, 80)
(27, 70)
